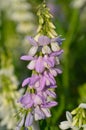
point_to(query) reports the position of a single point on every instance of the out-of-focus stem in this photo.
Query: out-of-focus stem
(2, 44)
(35, 126)
(66, 47)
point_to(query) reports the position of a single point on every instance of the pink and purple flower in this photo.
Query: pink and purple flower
(42, 82)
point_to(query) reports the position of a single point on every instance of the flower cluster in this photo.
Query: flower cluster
(44, 62)
(20, 12)
(77, 121)
(8, 92)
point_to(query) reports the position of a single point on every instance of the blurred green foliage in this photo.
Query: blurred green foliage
(72, 83)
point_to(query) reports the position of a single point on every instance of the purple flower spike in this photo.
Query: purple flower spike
(43, 40)
(42, 83)
(29, 120)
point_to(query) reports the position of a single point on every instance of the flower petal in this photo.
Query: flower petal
(59, 71)
(32, 41)
(51, 93)
(55, 47)
(31, 65)
(21, 122)
(49, 78)
(29, 120)
(38, 100)
(53, 72)
(26, 57)
(43, 40)
(53, 86)
(42, 83)
(33, 50)
(52, 79)
(58, 40)
(57, 53)
(25, 82)
(49, 61)
(38, 114)
(69, 116)
(49, 104)
(25, 99)
(82, 105)
(34, 79)
(46, 112)
(64, 125)
(39, 65)
(46, 50)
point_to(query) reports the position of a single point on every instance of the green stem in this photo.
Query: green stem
(66, 47)
(2, 40)
(35, 126)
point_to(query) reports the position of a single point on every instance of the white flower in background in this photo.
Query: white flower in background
(78, 3)
(67, 124)
(21, 13)
(8, 97)
(8, 72)
(82, 105)
(76, 120)
(7, 109)
(4, 4)
(24, 27)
